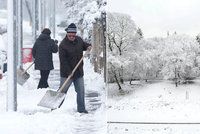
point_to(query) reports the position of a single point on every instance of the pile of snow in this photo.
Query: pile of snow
(3, 17)
(2, 44)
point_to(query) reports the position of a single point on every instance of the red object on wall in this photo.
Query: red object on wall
(27, 55)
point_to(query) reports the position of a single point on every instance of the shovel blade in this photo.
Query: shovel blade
(52, 99)
(22, 76)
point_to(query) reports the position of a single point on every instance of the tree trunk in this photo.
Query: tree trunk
(110, 44)
(176, 78)
(121, 78)
(130, 82)
(119, 86)
(120, 51)
(176, 83)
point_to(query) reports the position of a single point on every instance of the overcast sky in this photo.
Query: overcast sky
(156, 17)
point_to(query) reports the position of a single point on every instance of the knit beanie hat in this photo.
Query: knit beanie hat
(46, 31)
(71, 28)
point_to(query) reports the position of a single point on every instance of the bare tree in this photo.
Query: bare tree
(120, 31)
(114, 71)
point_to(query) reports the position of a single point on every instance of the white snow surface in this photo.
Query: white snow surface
(3, 17)
(2, 46)
(33, 119)
(154, 102)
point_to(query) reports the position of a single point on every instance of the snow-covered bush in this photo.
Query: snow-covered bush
(180, 57)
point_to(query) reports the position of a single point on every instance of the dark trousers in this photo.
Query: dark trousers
(43, 79)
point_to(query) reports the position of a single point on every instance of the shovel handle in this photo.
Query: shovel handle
(70, 76)
(28, 67)
(73, 71)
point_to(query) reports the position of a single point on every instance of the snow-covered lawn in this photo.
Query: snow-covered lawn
(157, 101)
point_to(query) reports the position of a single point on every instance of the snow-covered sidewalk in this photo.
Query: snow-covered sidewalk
(32, 119)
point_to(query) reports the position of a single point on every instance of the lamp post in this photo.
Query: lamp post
(35, 20)
(103, 21)
(11, 52)
(19, 31)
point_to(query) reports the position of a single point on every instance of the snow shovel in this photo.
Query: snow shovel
(22, 75)
(53, 99)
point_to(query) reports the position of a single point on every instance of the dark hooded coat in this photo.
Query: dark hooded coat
(42, 52)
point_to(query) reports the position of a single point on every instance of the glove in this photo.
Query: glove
(56, 41)
(89, 48)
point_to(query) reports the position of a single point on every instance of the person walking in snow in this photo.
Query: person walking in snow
(70, 52)
(42, 54)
